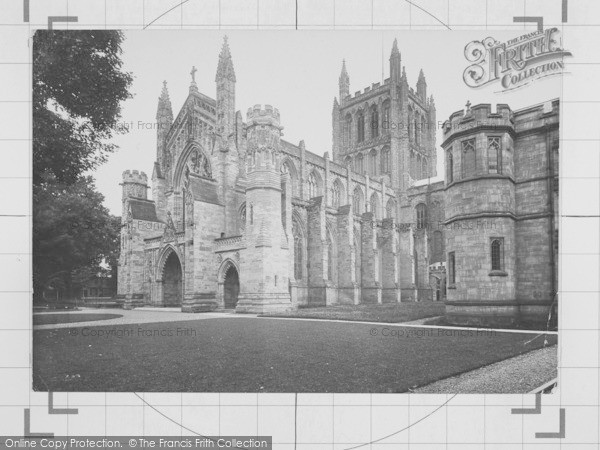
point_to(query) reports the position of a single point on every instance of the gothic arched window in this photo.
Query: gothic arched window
(288, 169)
(386, 117)
(313, 187)
(330, 258)
(375, 205)
(359, 164)
(424, 171)
(357, 201)
(450, 167)
(336, 193)
(348, 131)
(373, 166)
(374, 121)
(298, 249)
(360, 127)
(494, 155)
(199, 164)
(421, 216)
(468, 158)
(385, 160)
(243, 218)
(390, 209)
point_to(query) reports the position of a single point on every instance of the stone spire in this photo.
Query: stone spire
(225, 67)
(344, 83)
(164, 104)
(422, 86)
(395, 63)
(395, 50)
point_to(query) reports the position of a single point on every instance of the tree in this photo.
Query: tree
(78, 88)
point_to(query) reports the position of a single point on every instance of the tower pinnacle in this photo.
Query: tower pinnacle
(395, 62)
(344, 83)
(164, 103)
(225, 67)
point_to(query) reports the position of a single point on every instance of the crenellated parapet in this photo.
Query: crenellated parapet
(135, 176)
(478, 116)
(258, 115)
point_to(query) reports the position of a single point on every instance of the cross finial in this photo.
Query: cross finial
(193, 74)
(468, 105)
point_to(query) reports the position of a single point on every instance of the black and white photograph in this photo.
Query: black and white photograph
(300, 224)
(295, 212)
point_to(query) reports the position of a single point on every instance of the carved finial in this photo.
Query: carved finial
(468, 105)
(225, 66)
(193, 73)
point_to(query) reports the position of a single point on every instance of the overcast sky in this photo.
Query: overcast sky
(296, 72)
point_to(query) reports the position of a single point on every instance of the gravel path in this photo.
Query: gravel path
(520, 374)
(141, 315)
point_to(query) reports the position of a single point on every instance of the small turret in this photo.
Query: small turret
(164, 120)
(265, 268)
(225, 66)
(395, 63)
(422, 86)
(135, 185)
(344, 82)
(264, 134)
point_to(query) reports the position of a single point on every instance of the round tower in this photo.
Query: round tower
(135, 185)
(480, 216)
(264, 274)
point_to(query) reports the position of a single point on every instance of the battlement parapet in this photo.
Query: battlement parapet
(258, 115)
(477, 116)
(135, 176)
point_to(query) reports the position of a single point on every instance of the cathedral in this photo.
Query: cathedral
(241, 219)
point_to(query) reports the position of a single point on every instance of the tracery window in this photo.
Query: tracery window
(385, 160)
(468, 158)
(421, 216)
(199, 164)
(360, 127)
(336, 194)
(494, 155)
(373, 163)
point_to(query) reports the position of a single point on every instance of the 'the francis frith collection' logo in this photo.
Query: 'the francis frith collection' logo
(516, 62)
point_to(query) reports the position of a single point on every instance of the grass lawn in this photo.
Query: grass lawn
(388, 313)
(47, 319)
(261, 355)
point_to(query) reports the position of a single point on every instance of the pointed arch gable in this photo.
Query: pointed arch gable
(179, 171)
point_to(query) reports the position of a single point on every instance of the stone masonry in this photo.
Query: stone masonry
(241, 218)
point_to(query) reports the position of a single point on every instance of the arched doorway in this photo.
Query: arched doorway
(172, 284)
(231, 287)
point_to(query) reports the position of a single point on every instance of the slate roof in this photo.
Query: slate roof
(204, 190)
(143, 209)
